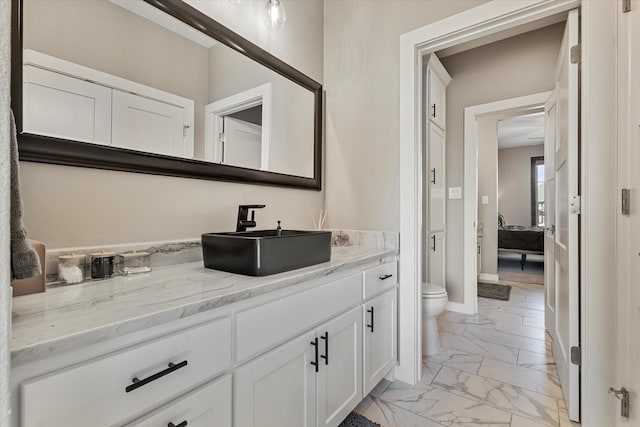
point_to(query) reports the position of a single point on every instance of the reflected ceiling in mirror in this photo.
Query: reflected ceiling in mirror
(126, 76)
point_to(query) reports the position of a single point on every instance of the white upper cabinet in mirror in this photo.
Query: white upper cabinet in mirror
(124, 74)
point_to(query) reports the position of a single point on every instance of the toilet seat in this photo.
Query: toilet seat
(433, 291)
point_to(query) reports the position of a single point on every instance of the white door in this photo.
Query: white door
(436, 175)
(436, 251)
(550, 215)
(151, 126)
(65, 107)
(629, 312)
(340, 370)
(567, 304)
(279, 388)
(379, 329)
(242, 144)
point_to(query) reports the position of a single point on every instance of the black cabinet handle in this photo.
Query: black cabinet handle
(325, 337)
(371, 325)
(434, 110)
(385, 277)
(433, 175)
(137, 383)
(314, 343)
(434, 243)
(182, 424)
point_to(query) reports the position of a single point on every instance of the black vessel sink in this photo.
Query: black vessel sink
(264, 252)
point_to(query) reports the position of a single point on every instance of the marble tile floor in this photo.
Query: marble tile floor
(495, 369)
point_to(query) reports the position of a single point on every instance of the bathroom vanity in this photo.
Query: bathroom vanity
(185, 345)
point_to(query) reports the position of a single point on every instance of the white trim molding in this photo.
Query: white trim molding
(215, 112)
(484, 20)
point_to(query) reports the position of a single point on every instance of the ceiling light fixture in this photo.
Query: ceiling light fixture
(275, 15)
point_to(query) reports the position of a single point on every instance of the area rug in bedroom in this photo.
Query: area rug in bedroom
(356, 420)
(493, 290)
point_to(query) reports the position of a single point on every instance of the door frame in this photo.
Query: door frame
(598, 128)
(215, 112)
(506, 107)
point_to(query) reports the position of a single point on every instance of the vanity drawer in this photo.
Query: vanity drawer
(102, 392)
(208, 406)
(262, 327)
(380, 278)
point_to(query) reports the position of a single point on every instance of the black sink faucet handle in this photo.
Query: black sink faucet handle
(243, 213)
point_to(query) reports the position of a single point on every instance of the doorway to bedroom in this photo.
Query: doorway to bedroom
(521, 199)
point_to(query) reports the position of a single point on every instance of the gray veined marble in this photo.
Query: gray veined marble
(513, 399)
(67, 317)
(162, 253)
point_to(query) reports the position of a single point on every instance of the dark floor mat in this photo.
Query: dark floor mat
(493, 290)
(356, 420)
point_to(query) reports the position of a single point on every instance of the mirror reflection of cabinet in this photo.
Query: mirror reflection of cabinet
(70, 101)
(437, 79)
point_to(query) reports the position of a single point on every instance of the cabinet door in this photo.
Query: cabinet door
(208, 406)
(65, 107)
(151, 126)
(340, 371)
(436, 259)
(436, 177)
(379, 338)
(436, 99)
(279, 388)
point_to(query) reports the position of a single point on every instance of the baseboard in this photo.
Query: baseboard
(488, 278)
(459, 308)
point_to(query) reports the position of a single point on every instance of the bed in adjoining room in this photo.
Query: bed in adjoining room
(521, 239)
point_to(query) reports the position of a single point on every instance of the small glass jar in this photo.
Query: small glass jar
(134, 262)
(71, 268)
(102, 265)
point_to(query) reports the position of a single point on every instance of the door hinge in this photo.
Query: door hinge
(626, 201)
(576, 54)
(575, 205)
(576, 357)
(184, 129)
(623, 396)
(626, 6)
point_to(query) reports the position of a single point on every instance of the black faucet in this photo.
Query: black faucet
(243, 213)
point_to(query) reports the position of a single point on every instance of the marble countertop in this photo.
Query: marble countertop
(68, 317)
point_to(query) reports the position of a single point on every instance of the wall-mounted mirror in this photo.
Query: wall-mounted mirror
(156, 86)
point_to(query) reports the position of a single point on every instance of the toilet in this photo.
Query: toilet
(434, 301)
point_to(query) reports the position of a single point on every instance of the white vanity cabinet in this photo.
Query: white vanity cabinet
(301, 356)
(208, 406)
(110, 389)
(436, 177)
(379, 332)
(313, 380)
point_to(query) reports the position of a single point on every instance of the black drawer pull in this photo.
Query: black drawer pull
(137, 383)
(371, 325)
(325, 337)
(385, 277)
(182, 424)
(314, 343)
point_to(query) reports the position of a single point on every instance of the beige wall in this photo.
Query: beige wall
(514, 183)
(69, 206)
(488, 186)
(361, 54)
(518, 66)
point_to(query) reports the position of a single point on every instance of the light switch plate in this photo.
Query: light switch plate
(485, 200)
(455, 193)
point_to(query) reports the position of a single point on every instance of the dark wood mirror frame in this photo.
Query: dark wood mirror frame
(43, 149)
